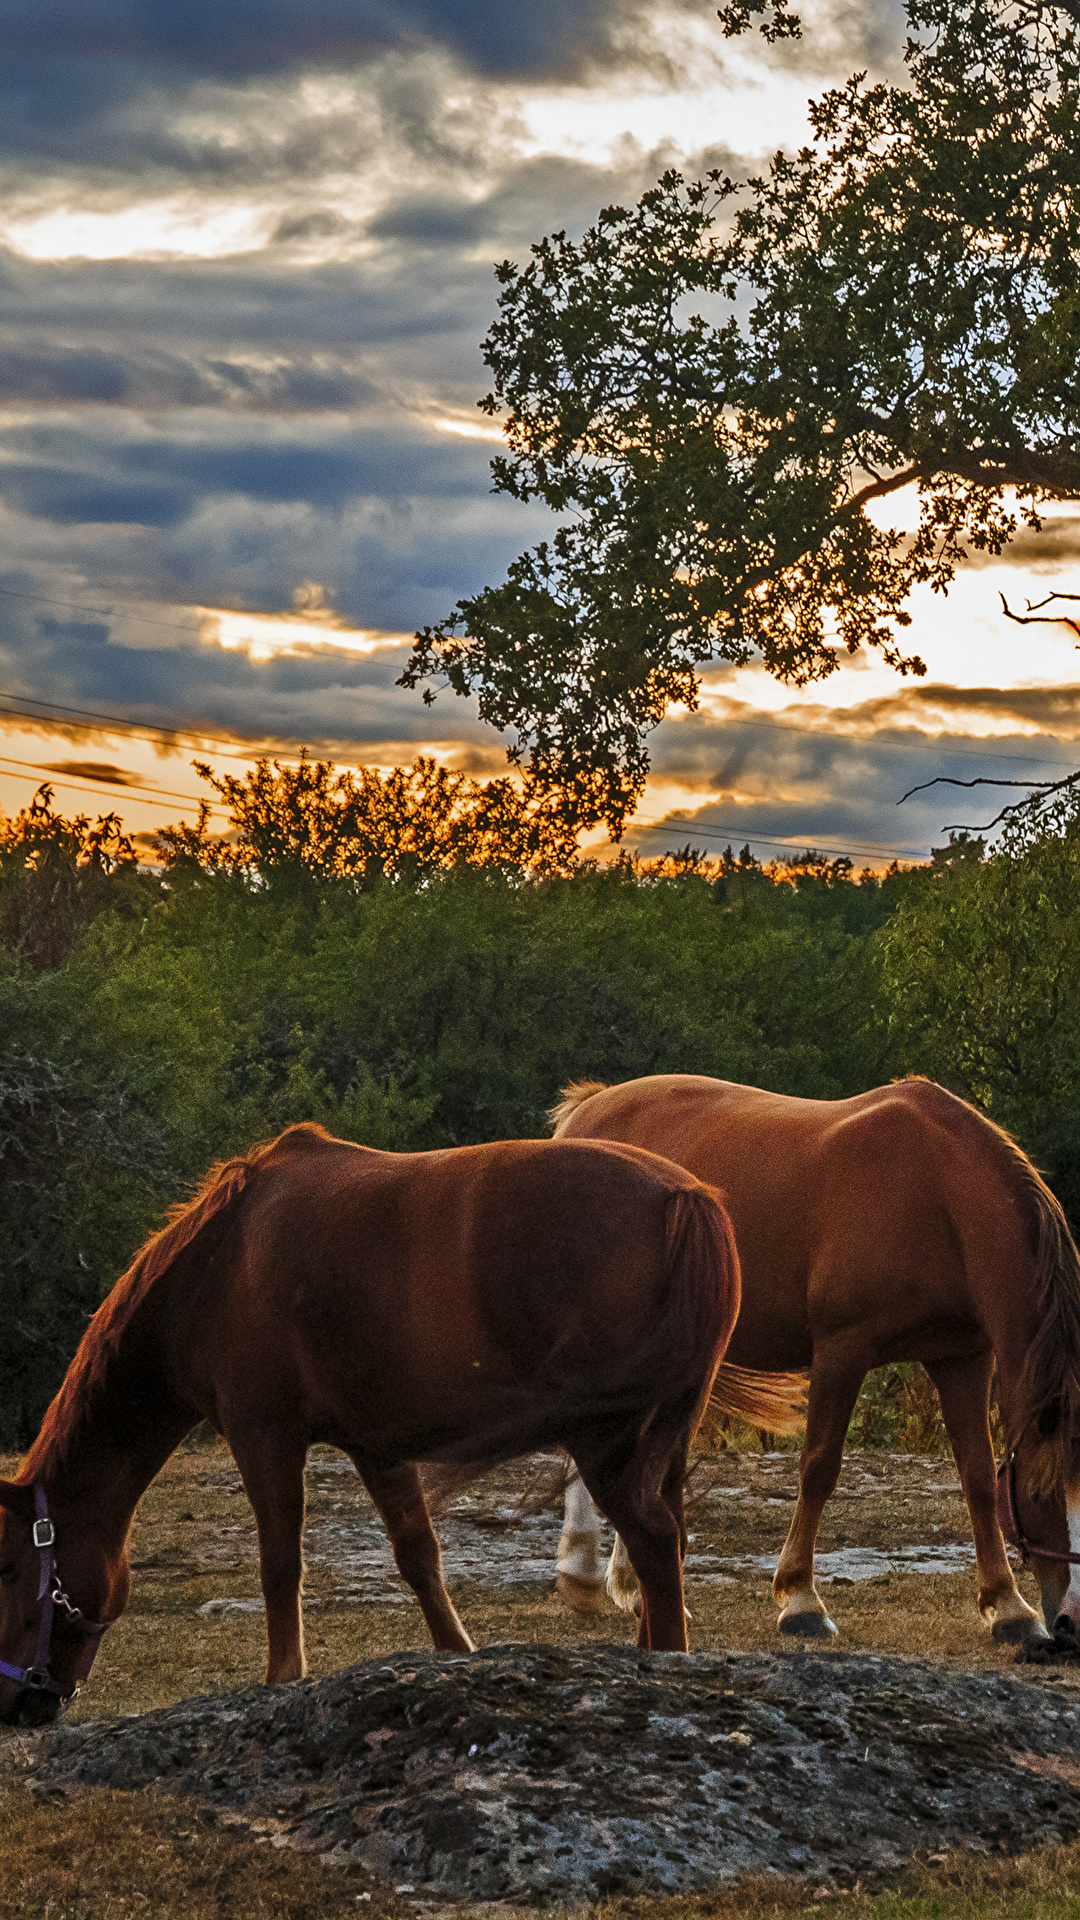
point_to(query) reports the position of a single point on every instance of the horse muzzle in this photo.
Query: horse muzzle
(30, 1707)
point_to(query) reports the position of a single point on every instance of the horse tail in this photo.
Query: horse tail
(1050, 1382)
(773, 1401)
(701, 1267)
(573, 1097)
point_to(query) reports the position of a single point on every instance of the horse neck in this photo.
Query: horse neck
(112, 1426)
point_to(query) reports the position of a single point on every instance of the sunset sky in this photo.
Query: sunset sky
(246, 259)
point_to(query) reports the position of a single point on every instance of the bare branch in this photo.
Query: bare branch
(1038, 790)
(1032, 618)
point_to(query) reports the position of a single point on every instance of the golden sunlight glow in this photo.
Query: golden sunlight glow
(465, 427)
(746, 110)
(266, 636)
(155, 229)
(964, 639)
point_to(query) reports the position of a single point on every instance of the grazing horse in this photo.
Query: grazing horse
(462, 1306)
(898, 1225)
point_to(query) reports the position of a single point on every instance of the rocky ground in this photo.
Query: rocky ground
(526, 1772)
(540, 1771)
(890, 1514)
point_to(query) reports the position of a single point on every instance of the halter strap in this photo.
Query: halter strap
(51, 1594)
(1007, 1472)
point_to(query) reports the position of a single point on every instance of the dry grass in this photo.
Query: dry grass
(112, 1854)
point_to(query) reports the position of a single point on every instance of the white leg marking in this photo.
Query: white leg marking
(580, 1546)
(622, 1584)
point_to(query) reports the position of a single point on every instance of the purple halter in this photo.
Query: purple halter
(1007, 1472)
(52, 1594)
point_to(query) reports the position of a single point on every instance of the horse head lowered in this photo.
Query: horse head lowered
(462, 1306)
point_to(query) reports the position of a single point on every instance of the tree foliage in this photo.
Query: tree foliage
(55, 875)
(719, 384)
(309, 824)
(983, 989)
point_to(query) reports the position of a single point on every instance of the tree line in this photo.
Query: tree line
(441, 983)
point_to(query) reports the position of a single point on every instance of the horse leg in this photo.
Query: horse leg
(653, 1536)
(834, 1389)
(621, 1581)
(964, 1391)
(399, 1496)
(579, 1580)
(271, 1466)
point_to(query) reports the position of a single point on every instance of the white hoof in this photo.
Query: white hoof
(584, 1596)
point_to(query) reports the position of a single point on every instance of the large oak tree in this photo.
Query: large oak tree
(714, 387)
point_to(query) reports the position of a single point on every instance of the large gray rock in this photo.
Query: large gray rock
(529, 1770)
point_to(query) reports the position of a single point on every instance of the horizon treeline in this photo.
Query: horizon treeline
(423, 962)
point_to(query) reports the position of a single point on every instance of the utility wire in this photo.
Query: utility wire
(125, 786)
(103, 793)
(174, 735)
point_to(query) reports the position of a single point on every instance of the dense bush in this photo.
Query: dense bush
(982, 985)
(169, 1018)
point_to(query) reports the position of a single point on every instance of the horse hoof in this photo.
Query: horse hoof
(584, 1596)
(1014, 1633)
(809, 1626)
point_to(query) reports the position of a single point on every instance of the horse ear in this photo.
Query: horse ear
(17, 1500)
(1050, 1419)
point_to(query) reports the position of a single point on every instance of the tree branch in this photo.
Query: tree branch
(1032, 618)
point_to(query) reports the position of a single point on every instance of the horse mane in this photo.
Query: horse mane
(185, 1221)
(572, 1098)
(1050, 1380)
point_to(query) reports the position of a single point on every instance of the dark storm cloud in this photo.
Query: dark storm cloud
(257, 36)
(1058, 541)
(1053, 710)
(777, 785)
(522, 204)
(91, 462)
(323, 697)
(238, 512)
(212, 492)
(141, 374)
(99, 82)
(104, 771)
(248, 299)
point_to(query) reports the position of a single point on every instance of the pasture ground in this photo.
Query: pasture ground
(111, 1854)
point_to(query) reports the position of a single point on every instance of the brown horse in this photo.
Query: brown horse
(462, 1306)
(898, 1225)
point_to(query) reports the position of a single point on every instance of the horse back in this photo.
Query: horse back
(421, 1297)
(891, 1212)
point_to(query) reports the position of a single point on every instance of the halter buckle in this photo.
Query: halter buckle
(44, 1533)
(38, 1678)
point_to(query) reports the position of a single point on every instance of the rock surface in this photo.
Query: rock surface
(526, 1771)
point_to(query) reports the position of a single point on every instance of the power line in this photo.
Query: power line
(172, 626)
(731, 834)
(101, 788)
(38, 766)
(103, 613)
(170, 735)
(147, 731)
